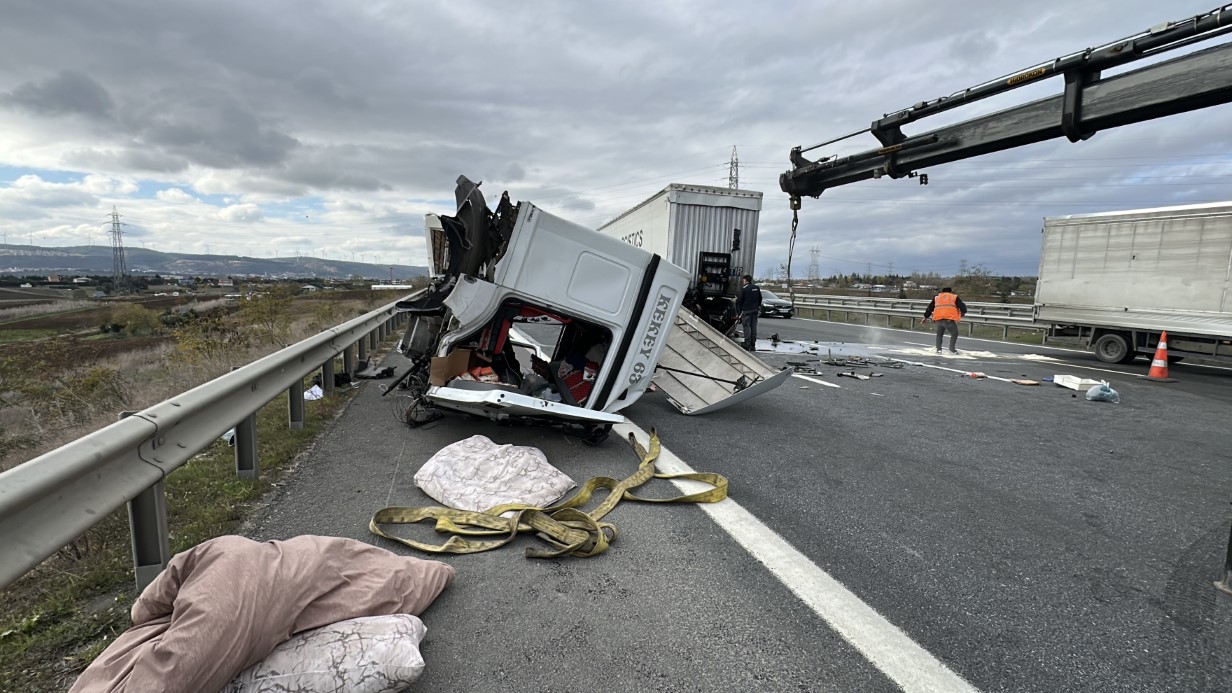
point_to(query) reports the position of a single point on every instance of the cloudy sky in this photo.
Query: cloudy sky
(275, 128)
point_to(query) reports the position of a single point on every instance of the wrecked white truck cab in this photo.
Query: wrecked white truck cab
(533, 317)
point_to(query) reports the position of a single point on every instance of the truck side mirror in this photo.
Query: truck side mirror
(735, 240)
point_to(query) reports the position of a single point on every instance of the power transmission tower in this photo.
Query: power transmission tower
(814, 252)
(962, 267)
(733, 170)
(119, 270)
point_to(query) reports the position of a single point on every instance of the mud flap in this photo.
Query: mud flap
(702, 371)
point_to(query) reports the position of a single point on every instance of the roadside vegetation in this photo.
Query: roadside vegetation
(45, 308)
(56, 619)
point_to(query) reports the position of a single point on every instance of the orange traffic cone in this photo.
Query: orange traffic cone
(1159, 364)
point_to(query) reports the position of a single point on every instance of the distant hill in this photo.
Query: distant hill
(33, 259)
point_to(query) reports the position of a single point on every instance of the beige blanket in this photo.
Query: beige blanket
(225, 604)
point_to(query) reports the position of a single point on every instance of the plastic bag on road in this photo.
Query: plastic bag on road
(1103, 393)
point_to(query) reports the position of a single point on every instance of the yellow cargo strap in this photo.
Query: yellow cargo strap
(569, 530)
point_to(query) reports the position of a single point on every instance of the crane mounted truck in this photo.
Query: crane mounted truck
(1112, 282)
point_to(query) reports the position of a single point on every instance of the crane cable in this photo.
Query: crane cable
(791, 246)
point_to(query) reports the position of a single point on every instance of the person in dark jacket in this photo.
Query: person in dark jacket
(946, 309)
(748, 305)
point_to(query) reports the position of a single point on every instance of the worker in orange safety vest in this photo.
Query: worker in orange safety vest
(946, 309)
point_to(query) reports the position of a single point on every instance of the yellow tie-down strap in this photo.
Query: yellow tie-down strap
(569, 530)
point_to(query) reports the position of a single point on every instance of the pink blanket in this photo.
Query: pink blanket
(226, 603)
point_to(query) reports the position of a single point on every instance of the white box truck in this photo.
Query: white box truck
(1113, 281)
(710, 232)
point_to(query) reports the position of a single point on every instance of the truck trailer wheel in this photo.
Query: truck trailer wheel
(1113, 348)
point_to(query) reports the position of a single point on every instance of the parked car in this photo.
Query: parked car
(774, 307)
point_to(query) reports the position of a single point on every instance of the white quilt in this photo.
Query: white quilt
(477, 474)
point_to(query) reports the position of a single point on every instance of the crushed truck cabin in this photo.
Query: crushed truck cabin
(532, 317)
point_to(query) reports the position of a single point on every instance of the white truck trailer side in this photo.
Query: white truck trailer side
(1114, 281)
(710, 232)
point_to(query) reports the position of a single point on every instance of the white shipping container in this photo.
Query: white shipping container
(1165, 268)
(683, 220)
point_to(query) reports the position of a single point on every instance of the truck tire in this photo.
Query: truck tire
(1113, 347)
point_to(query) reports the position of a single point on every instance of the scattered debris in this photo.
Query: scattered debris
(853, 374)
(1074, 382)
(314, 393)
(975, 374)
(1103, 393)
(1024, 381)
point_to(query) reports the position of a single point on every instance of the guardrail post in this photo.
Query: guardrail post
(372, 343)
(1005, 333)
(295, 406)
(247, 466)
(327, 376)
(147, 525)
(1225, 585)
(363, 348)
(348, 360)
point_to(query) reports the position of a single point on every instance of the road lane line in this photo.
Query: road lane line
(815, 380)
(998, 341)
(884, 644)
(918, 333)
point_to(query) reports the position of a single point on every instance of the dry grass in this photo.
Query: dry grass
(57, 619)
(40, 412)
(19, 312)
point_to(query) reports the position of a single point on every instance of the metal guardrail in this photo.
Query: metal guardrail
(51, 500)
(1004, 315)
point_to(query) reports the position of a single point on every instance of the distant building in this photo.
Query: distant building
(81, 280)
(53, 278)
(310, 288)
(227, 281)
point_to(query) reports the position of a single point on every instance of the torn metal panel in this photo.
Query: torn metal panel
(703, 371)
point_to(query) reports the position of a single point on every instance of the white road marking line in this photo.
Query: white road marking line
(959, 370)
(962, 337)
(995, 341)
(884, 644)
(1063, 366)
(815, 380)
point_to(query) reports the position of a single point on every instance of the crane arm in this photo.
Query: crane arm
(1087, 105)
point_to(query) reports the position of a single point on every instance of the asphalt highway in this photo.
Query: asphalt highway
(918, 530)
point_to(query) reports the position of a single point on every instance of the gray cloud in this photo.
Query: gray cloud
(67, 93)
(213, 131)
(586, 113)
